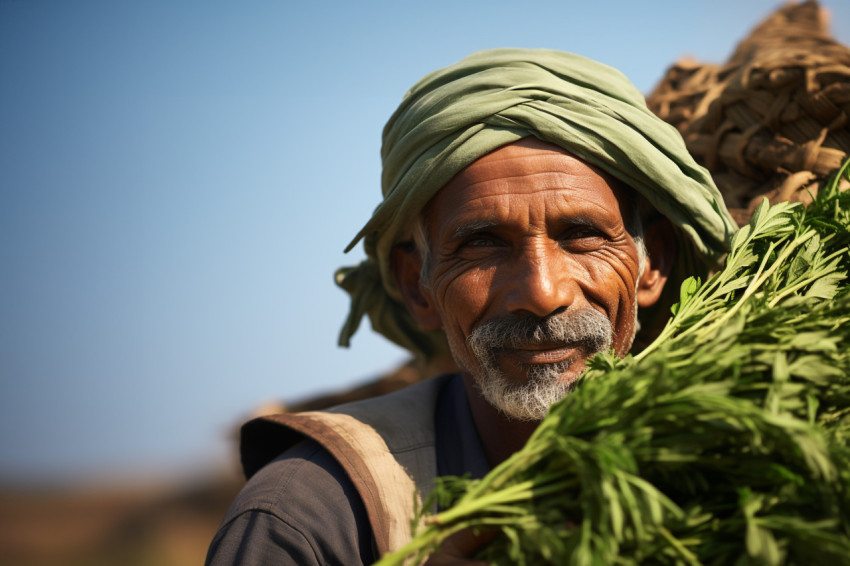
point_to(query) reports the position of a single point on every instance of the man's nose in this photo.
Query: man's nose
(540, 283)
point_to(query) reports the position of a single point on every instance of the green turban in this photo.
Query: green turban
(493, 98)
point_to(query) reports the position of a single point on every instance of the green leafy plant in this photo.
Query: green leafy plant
(723, 442)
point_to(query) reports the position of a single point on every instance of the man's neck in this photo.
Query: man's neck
(499, 435)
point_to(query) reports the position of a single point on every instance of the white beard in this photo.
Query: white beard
(588, 330)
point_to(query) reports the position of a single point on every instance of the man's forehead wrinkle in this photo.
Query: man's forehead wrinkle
(578, 206)
(608, 209)
(548, 180)
(569, 209)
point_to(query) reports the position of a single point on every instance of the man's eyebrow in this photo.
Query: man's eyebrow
(465, 230)
(476, 226)
(577, 220)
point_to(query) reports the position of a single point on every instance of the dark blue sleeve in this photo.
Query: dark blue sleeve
(300, 509)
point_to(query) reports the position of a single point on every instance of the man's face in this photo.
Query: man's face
(532, 271)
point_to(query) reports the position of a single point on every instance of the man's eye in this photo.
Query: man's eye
(581, 236)
(581, 232)
(481, 241)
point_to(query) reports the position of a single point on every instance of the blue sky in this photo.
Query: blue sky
(178, 181)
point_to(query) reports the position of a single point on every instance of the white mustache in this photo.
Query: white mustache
(587, 328)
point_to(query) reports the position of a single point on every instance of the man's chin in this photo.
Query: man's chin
(527, 396)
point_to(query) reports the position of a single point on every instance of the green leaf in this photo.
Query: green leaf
(740, 237)
(826, 286)
(689, 288)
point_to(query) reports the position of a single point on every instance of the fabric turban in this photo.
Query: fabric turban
(492, 98)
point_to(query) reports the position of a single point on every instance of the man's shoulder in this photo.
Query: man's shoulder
(277, 485)
(386, 446)
(402, 419)
(304, 501)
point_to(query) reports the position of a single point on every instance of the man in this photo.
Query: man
(533, 213)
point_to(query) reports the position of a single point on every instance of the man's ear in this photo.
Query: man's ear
(406, 267)
(660, 243)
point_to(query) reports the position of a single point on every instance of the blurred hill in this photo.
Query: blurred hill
(121, 524)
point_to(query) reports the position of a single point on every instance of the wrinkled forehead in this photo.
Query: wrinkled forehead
(528, 166)
(534, 156)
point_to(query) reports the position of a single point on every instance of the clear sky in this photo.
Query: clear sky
(178, 180)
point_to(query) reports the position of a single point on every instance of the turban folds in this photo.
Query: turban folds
(496, 97)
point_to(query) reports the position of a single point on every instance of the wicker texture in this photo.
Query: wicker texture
(773, 121)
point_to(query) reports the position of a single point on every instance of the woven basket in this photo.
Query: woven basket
(773, 121)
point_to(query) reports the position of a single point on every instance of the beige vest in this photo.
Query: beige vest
(385, 444)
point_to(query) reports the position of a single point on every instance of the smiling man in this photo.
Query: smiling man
(530, 268)
(533, 213)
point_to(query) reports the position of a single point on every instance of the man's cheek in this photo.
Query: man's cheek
(607, 293)
(468, 292)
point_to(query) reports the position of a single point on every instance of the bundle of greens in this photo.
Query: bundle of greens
(724, 442)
